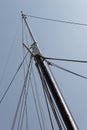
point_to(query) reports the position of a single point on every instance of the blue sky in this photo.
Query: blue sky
(55, 40)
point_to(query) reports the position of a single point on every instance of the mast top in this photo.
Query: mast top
(34, 46)
(28, 27)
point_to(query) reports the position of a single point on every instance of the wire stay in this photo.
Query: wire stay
(69, 71)
(12, 80)
(57, 20)
(21, 96)
(62, 59)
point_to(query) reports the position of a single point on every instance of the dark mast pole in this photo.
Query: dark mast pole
(61, 105)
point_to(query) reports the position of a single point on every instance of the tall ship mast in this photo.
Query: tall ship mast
(51, 109)
(50, 84)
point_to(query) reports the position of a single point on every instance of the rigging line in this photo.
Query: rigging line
(28, 49)
(50, 99)
(23, 51)
(25, 96)
(60, 59)
(39, 103)
(9, 55)
(23, 115)
(55, 104)
(44, 90)
(57, 20)
(25, 102)
(69, 71)
(48, 109)
(12, 80)
(26, 118)
(43, 86)
(15, 116)
(36, 106)
(22, 100)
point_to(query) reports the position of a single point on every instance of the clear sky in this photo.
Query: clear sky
(55, 40)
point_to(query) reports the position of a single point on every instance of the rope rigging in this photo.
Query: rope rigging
(12, 80)
(38, 100)
(21, 109)
(52, 104)
(68, 60)
(62, 123)
(44, 90)
(69, 71)
(21, 98)
(57, 20)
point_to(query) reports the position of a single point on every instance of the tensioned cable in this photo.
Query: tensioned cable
(39, 103)
(36, 105)
(24, 98)
(57, 20)
(48, 109)
(62, 59)
(9, 56)
(69, 71)
(14, 120)
(26, 118)
(50, 99)
(44, 85)
(57, 113)
(12, 80)
(62, 96)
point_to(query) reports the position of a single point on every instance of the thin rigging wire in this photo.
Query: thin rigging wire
(48, 109)
(25, 95)
(39, 103)
(36, 106)
(23, 114)
(50, 100)
(59, 67)
(12, 80)
(22, 100)
(16, 113)
(24, 106)
(63, 125)
(8, 56)
(26, 118)
(44, 85)
(57, 20)
(61, 59)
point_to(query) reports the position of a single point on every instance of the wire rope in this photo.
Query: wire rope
(50, 100)
(25, 102)
(39, 103)
(26, 118)
(16, 113)
(69, 71)
(36, 106)
(57, 20)
(25, 97)
(22, 100)
(9, 56)
(44, 90)
(68, 60)
(12, 80)
(62, 96)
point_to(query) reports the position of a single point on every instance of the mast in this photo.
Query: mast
(58, 98)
